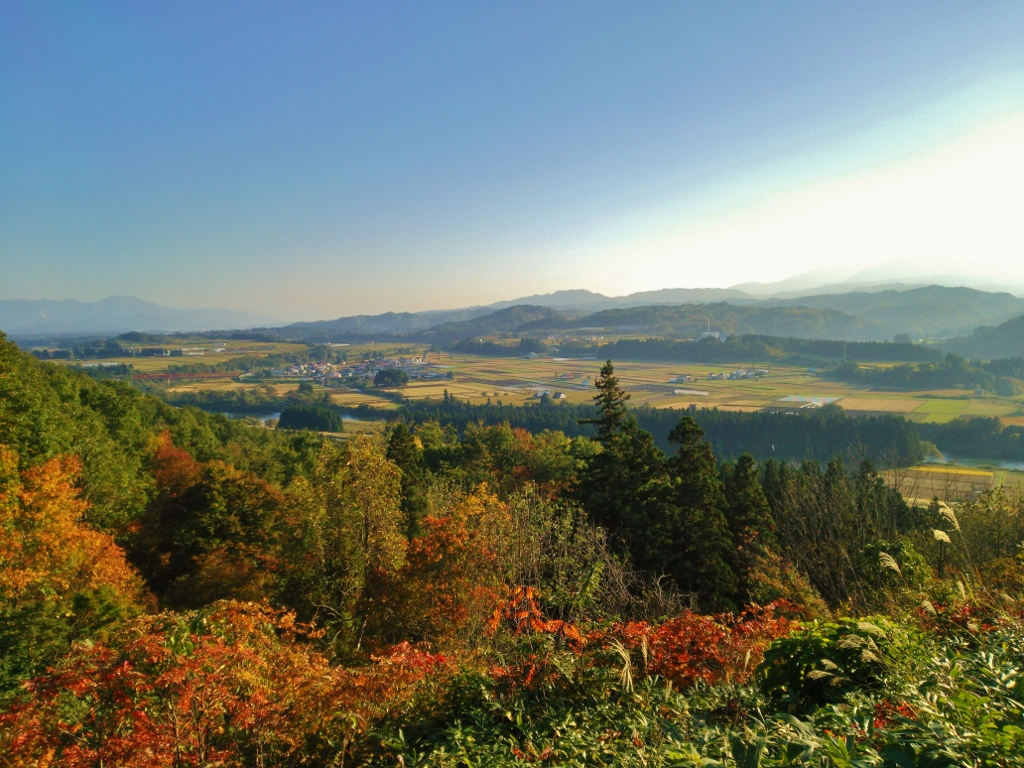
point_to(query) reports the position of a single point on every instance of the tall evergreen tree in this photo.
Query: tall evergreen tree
(697, 530)
(407, 454)
(749, 517)
(611, 405)
(621, 488)
(777, 484)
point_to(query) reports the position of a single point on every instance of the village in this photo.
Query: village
(331, 374)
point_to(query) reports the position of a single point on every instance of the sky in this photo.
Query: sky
(310, 160)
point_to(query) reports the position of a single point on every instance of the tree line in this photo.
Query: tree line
(753, 348)
(1001, 377)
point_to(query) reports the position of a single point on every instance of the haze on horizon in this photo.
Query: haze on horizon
(313, 160)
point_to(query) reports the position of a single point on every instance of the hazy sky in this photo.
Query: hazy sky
(310, 160)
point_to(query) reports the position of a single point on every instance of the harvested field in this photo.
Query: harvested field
(948, 483)
(873, 405)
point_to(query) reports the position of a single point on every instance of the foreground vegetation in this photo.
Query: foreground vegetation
(180, 589)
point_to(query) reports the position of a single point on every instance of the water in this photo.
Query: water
(265, 417)
(1015, 466)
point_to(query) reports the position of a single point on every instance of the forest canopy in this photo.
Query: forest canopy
(179, 588)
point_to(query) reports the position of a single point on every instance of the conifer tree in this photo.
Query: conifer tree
(748, 516)
(777, 486)
(701, 545)
(611, 405)
(622, 486)
(407, 453)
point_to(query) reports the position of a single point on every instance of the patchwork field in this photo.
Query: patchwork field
(948, 483)
(522, 380)
(206, 352)
(660, 385)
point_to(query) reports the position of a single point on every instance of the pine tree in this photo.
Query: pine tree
(621, 488)
(611, 405)
(749, 517)
(701, 545)
(406, 452)
(777, 484)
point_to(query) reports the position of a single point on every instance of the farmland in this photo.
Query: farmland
(955, 482)
(516, 381)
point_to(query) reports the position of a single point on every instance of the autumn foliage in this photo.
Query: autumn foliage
(179, 589)
(60, 579)
(238, 684)
(46, 547)
(692, 647)
(451, 581)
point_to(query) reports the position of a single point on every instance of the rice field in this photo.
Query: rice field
(954, 482)
(660, 385)
(523, 380)
(947, 483)
(352, 399)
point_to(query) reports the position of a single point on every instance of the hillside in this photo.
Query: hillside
(989, 342)
(931, 312)
(502, 321)
(692, 320)
(588, 301)
(575, 302)
(175, 585)
(387, 323)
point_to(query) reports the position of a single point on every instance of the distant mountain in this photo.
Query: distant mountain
(881, 310)
(693, 319)
(502, 321)
(987, 342)
(805, 282)
(898, 274)
(387, 323)
(588, 301)
(574, 303)
(577, 299)
(933, 311)
(113, 315)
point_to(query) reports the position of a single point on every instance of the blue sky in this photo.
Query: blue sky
(309, 160)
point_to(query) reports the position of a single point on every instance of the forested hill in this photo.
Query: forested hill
(47, 411)
(932, 312)
(180, 589)
(503, 321)
(730, 319)
(1004, 340)
(387, 323)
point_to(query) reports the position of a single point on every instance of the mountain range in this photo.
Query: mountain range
(933, 312)
(873, 303)
(113, 315)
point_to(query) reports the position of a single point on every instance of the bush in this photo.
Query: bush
(827, 661)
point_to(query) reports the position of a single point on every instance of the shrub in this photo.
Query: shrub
(828, 660)
(215, 687)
